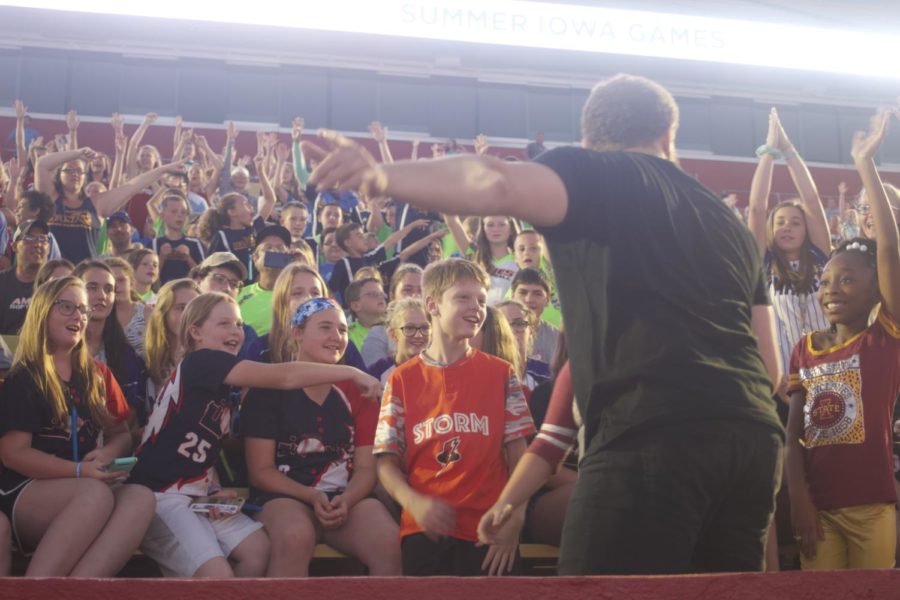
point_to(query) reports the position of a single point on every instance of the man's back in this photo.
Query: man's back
(664, 318)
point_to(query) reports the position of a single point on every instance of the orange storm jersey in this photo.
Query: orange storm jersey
(448, 425)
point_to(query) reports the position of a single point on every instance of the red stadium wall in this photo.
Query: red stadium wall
(795, 585)
(721, 176)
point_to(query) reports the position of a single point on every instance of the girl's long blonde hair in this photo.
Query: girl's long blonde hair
(162, 348)
(34, 355)
(195, 315)
(282, 346)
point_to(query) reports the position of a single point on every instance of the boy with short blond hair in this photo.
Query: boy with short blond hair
(452, 427)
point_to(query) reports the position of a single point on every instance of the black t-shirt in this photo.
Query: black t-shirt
(191, 414)
(24, 408)
(239, 242)
(314, 443)
(660, 277)
(15, 298)
(76, 230)
(344, 269)
(175, 266)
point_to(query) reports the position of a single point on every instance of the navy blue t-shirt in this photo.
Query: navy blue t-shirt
(76, 230)
(239, 242)
(175, 267)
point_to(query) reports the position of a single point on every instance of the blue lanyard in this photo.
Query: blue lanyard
(74, 434)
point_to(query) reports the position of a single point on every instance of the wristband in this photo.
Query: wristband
(77, 470)
(764, 149)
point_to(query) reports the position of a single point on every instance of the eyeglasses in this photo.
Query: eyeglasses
(232, 284)
(36, 239)
(520, 324)
(412, 330)
(863, 209)
(73, 171)
(67, 309)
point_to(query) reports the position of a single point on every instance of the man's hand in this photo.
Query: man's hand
(348, 166)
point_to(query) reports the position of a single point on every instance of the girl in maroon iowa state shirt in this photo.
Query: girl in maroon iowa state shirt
(843, 385)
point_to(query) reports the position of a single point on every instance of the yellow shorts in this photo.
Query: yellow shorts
(856, 537)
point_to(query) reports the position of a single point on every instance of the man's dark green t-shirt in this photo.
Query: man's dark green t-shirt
(657, 278)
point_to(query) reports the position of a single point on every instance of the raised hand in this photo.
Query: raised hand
(118, 123)
(297, 128)
(38, 141)
(121, 144)
(20, 108)
(150, 118)
(842, 188)
(282, 152)
(86, 153)
(72, 121)
(348, 166)
(772, 138)
(866, 143)
(379, 133)
(481, 145)
(232, 131)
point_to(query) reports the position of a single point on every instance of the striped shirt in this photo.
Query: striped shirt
(796, 314)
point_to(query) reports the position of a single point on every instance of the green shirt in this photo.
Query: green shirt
(357, 333)
(256, 308)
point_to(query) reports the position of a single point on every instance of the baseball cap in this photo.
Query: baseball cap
(25, 228)
(276, 230)
(120, 215)
(224, 259)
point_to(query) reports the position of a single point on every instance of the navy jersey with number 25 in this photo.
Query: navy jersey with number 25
(183, 436)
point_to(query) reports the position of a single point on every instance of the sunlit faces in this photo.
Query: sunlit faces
(147, 158)
(304, 286)
(413, 334)
(529, 249)
(222, 330)
(241, 214)
(533, 296)
(174, 213)
(101, 292)
(295, 219)
(520, 323)
(460, 311)
(195, 175)
(789, 229)
(496, 229)
(119, 232)
(71, 175)
(122, 282)
(410, 286)
(67, 319)
(323, 338)
(179, 301)
(222, 279)
(331, 216)
(371, 300)
(848, 289)
(356, 242)
(148, 270)
(33, 248)
(330, 248)
(239, 179)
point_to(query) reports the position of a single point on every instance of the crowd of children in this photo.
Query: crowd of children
(172, 332)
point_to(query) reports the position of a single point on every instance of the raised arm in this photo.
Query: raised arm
(115, 177)
(816, 221)
(21, 111)
(464, 184)
(865, 146)
(225, 174)
(72, 123)
(300, 169)
(420, 244)
(415, 150)
(458, 232)
(109, 202)
(47, 165)
(761, 187)
(268, 202)
(376, 220)
(379, 134)
(11, 196)
(131, 166)
(177, 140)
(395, 238)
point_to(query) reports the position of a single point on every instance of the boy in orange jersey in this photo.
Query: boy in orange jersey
(452, 427)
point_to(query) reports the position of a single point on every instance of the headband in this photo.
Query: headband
(311, 307)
